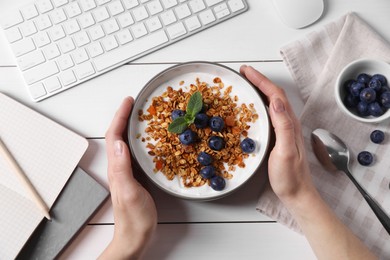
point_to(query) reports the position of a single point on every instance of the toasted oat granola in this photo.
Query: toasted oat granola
(173, 158)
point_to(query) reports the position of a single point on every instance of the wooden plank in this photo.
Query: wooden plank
(203, 241)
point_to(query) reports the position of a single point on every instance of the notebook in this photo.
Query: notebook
(77, 203)
(48, 153)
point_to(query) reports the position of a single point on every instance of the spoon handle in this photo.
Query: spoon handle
(381, 215)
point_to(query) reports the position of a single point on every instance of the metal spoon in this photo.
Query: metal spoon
(334, 155)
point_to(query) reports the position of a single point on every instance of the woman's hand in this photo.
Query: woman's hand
(135, 213)
(288, 169)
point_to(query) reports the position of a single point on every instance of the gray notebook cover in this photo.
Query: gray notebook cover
(78, 201)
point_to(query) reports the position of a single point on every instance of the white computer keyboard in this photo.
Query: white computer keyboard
(59, 44)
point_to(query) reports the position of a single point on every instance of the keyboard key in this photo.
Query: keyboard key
(28, 28)
(182, 11)
(41, 39)
(130, 50)
(95, 49)
(125, 20)
(153, 24)
(110, 43)
(140, 13)
(65, 62)
(59, 3)
(115, 8)
(169, 3)
(207, 17)
(23, 46)
(44, 6)
(192, 23)
(84, 70)
(221, 10)
(110, 26)
(51, 51)
(67, 77)
(79, 56)
(139, 30)
(87, 5)
(96, 32)
(30, 60)
(130, 3)
(10, 19)
(101, 14)
(13, 34)
(57, 16)
(154, 7)
(43, 22)
(197, 5)
(86, 20)
(168, 17)
(66, 45)
(29, 11)
(124, 37)
(71, 27)
(40, 72)
(37, 91)
(56, 33)
(176, 30)
(236, 5)
(73, 9)
(81, 38)
(52, 84)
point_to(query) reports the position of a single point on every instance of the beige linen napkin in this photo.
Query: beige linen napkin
(314, 63)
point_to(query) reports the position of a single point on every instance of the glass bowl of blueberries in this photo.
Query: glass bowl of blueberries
(362, 90)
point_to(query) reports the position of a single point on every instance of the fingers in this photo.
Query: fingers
(287, 127)
(118, 155)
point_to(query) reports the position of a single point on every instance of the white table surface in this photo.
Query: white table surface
(229, 228)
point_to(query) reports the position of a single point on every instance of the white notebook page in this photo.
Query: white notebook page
(47, 153)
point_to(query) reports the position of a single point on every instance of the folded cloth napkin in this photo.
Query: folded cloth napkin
(314, 63)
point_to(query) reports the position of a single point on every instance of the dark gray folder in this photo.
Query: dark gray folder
(78, 201)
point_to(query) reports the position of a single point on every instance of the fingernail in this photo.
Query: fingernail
(278, 105)
(118, 148)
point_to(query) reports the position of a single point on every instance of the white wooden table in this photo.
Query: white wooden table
(229, 228)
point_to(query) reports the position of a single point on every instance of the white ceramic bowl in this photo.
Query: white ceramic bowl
(351, 71)
(188, 72)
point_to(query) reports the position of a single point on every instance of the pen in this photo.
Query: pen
(24, 180)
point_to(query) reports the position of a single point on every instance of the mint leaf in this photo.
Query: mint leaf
(189, 119)
(194, 104)
(178, 125)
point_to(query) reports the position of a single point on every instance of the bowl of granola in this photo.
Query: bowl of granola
(199, 130)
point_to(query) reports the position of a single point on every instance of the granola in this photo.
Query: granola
(171, 157)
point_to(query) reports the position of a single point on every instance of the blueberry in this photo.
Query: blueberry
(201, 120)
(205, 158)
(248, 145)
(187, 137)
(375, 84)
(347, 85)
(207, 172)
(365, 158)
(363, 78)
(351, 101)
(368, 95)
(375, 109)
(362, 109)
(356, 87)
(177, 113)
(381, 78)
(385, 99)
(217, 183)
(216, 143)
(383, 90)
(377, 136)
(216, 123)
